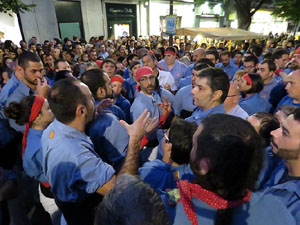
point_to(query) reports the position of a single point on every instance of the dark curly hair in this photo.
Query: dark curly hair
(20, 111)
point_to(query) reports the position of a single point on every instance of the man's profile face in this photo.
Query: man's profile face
(263, 71)
(63, 66)
(147, 61)
(293, 85)
(211, 57)
(286, 139)
(197, 56)
(33, 72)
(296, 62)
(282, 61)
(202, 93)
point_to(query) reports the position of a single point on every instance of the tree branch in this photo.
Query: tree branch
(257, 7)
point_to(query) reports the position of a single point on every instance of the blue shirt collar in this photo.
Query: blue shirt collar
(69, 131)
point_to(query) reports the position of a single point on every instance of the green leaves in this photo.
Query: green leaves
(15, 6)
(288, 9)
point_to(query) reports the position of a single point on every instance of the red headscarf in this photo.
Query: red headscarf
(35, 110)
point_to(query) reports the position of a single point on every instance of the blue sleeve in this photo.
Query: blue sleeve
(177, 104)
(136, 110)
(83, 174)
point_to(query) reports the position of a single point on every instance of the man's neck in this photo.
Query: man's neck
(266, 81)
(78, 125)
(293, 168)
(170, 66)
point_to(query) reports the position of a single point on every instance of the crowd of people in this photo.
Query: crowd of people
(135, 131)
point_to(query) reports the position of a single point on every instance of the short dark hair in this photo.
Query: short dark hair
(213, 52)
(236, 52)
(206, 61)
(133, 64)
(257, 83)
(257, 50)
(217, 80)
(58, 61)
(200, 66)
(271, 64)
(153, 57)
(225, 53)
(25, 57)
(130, 57)
(108, 60)
(296, 114)
(251, 58)
(235, 153)
(268, 123)
(278, 53)
(181, 137)
(131, 193)
(94, 79)
(64, 97)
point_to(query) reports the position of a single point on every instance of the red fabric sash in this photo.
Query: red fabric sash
(188, 190)
(35, 110)
(248, 79)
(170, 53)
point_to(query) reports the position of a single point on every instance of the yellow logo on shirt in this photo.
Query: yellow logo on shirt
(51, 134)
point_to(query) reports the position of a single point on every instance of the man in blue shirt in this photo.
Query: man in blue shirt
(284, 180)
(99, 84)
(266, 70)
(164, 174)
(198, 54)
(226, 150)
(172, 65)
(293, 89)
(73, 169)
(226, 65)
(147, 98)
(30, 67)
(183, 102)
(209, 93)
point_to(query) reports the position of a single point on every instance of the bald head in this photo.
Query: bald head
(198, 54)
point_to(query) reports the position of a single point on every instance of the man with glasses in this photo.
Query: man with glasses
(147, 98)
(250, 64)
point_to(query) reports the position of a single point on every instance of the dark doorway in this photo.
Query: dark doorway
(121, 19)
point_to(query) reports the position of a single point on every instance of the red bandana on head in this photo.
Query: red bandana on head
(188, 190)
(35, 110)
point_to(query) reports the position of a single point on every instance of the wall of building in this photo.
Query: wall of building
(41, 21)
(10, 27)
(93, 18)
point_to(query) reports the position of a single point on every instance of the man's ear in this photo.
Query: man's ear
(81, 110)
(101, 93)
(205, 166)
(217, 95)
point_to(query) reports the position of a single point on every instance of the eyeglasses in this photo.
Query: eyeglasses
(150, 78)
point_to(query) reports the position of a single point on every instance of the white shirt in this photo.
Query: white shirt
(166, 78)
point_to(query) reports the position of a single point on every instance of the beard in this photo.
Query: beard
(285, 154)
